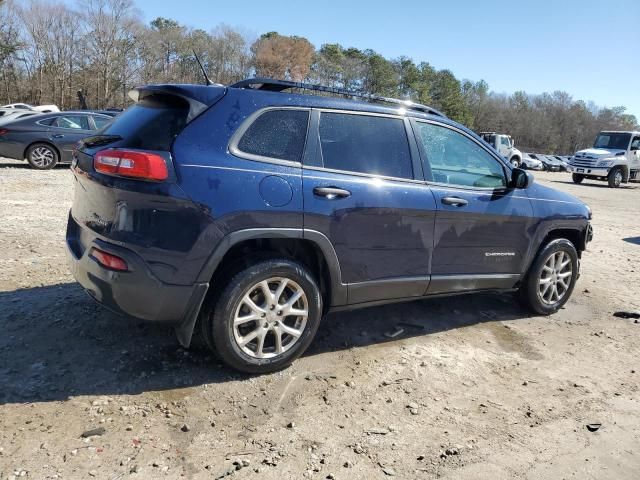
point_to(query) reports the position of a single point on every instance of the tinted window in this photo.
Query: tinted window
(365, 144)
(80, 122)
(47, 121)
(152, 123)
(457, 160)
(101, 121)
(277, 134)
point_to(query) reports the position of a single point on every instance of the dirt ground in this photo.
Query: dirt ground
(473, 387)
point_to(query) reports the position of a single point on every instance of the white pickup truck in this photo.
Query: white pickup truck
(614, 158)
(504, 144)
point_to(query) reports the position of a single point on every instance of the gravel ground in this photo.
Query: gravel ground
(472, 388)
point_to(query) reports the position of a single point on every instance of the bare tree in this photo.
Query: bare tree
(111, 28)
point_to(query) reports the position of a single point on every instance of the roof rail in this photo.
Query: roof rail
(272, 85)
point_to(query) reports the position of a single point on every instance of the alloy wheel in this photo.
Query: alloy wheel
(270, 318)
(42, 156)
(555, 278)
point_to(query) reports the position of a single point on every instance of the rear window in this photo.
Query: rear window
(152, 123)
(365, 144)
(278, 134)
(101, 121)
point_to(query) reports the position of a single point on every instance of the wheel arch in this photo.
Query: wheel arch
(625, 171)
(309, 247)
(44, 142)
(572, 234)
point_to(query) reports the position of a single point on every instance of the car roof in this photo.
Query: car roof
(336, 103)
(75, 112)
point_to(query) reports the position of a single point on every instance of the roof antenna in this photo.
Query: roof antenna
(207, 81)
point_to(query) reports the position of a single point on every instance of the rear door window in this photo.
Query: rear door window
(75, 122)
(275, 134)
(365, 144)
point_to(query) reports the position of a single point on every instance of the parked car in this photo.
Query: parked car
(38, 108)
(530, 162)
(257, 211)
(48, 139)
(564, 164)
(14, 115)
(550, 163)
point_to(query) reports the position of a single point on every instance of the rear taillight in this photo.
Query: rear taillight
(131, 163)
(3, 131)
(108, 261)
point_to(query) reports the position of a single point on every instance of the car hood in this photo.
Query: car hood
(542, 192)
(598, 152)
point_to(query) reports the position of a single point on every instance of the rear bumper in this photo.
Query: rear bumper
(10, 149)
(136, 293)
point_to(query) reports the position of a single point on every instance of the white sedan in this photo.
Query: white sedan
(530, 162)
(38, 108)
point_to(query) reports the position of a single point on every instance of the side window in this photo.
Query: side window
(365, 144)
(505, 141)
(278, 134)
(101, 121)
(457, 160)
(80, 122)
(635, 143)
(48, 121)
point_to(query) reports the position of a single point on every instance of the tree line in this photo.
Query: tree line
(49, 51)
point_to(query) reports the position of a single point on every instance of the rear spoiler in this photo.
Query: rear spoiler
(199, 97)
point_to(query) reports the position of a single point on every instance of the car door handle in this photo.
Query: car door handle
(331, 192)
(455, 201)
(59, 135)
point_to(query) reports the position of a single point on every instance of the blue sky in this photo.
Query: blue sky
(587, 48)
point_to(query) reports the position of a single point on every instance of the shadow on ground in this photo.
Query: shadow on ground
(634, 240)
(7, 163)
(58, 343)
(596, 184)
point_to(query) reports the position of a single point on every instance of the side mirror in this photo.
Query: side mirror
(520, 178)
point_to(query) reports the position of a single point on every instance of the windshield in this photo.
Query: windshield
(618, 141)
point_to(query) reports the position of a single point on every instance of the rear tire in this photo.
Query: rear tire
(577, 178)
(616, 175)
(258, 332)
(42, 156)
(551, 278)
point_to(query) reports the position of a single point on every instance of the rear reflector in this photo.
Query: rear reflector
(131, 163)
(108, 261)
(3, 131)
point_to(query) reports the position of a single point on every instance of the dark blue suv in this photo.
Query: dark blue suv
(255, 209)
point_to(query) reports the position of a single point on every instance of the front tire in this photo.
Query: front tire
(577, 178)
(616, 175)
(515, 162)
(551, 278)
(42, 156)
(266, 317)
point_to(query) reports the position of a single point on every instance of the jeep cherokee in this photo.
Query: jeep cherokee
(256, 208)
